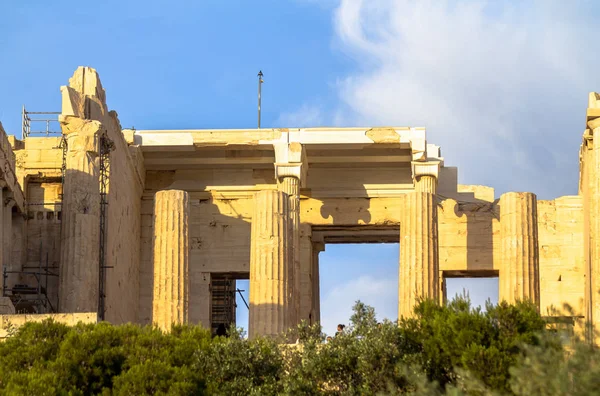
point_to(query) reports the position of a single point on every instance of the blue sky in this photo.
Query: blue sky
(500, 86)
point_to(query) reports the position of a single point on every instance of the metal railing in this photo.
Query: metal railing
(44, 123)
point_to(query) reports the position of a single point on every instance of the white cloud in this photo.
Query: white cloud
(336, 305)
(501, 86)
(305, 116)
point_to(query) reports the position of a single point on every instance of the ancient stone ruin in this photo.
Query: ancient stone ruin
(155, 226)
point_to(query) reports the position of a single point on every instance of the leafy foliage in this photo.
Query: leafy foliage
(452, 349)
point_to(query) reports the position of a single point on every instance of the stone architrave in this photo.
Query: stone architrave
(419, 262)
(170, 297)
(519, 271)
(79, 264)
(270, 264)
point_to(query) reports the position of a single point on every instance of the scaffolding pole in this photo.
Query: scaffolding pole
(106, 146)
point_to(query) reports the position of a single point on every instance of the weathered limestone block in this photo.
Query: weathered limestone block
(170, 299)
(419, 261)
(79, 265)
(10, 322)
(270, 264)
(519, 265)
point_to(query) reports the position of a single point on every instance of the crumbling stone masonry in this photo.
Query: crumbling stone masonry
(191, 211)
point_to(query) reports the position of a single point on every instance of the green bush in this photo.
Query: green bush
(452, 349)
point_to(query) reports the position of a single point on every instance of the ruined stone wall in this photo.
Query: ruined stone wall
(123, 227)
(10, 323)
(8, 171)
(37, 157)
(12, 208)
(469, 240)
(468, 236)
(85, 119)
(36, 236)
(43, 233)
(561, 250)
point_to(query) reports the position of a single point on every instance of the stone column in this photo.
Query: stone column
(519, 271)
(170, 297)
(290, 173)
(270, 264)
(9, 203)
(317, 247)
(426, 183)
(419, 262)
(291, 186)
(79, 265)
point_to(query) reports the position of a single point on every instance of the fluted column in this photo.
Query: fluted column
(519, 271)
(270, 264)
(291, 186)
(170, 298)
(426, 183)
(317, 247)
(8, 228)
(79, 264)
(419, 262)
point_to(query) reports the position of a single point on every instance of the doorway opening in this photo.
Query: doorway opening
(242, 300)
(357, 271)
(229, 301)
(479, 286)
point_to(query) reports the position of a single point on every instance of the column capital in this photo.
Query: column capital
(426, 168)
(9, 200)
(82, 135)
(290, 161)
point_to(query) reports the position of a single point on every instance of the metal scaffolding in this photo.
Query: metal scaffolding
(106, 146)
(33, 297)
(25, 297)
(45, 123)
(223, 302)
(30, 299)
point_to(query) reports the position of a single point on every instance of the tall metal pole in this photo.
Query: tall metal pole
(260, 81)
